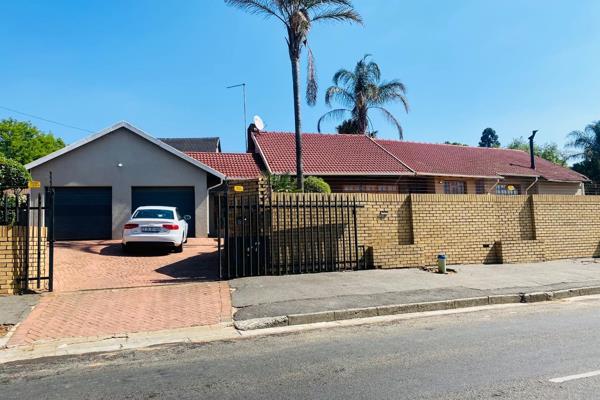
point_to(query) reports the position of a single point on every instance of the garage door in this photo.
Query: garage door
(180, 197)
(83, 213)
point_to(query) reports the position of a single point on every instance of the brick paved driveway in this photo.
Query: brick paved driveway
(86, 265)
(102, 291)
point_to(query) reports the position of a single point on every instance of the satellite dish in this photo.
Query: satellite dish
(258, 122)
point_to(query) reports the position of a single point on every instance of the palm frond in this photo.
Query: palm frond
(338, 113)
(339, 14)
(392, 91)
(341, 95)
(312, 88)
(267, 8)
(392, 120)
(344, 77)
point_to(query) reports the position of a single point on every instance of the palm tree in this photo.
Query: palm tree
(298, 16)
(359, 91)
(587, 146)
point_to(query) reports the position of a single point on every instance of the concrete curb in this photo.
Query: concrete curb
(352, 313)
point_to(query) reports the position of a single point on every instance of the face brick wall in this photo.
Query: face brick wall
(12, 248)
(402, 230)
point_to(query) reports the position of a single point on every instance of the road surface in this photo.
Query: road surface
(541, 351)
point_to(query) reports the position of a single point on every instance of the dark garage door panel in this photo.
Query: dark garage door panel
(180, 197)
(83, 213)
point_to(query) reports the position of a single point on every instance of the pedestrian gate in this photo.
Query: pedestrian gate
(287, 234)
(30, 221)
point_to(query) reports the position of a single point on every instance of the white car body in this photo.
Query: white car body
(156, 224)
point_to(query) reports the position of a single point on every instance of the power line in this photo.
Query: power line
(46, 119)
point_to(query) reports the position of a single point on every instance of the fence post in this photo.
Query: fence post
(50, 199)
(355, 233)
(18, 210)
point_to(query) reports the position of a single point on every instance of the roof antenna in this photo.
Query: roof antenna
(243, 86)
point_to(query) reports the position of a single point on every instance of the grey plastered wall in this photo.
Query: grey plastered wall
(144, 164)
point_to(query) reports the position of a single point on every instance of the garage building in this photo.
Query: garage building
(101, 179)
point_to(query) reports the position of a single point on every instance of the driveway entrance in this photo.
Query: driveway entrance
(86, 265)
(100, 290)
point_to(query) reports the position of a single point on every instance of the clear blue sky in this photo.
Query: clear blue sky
(514, 65)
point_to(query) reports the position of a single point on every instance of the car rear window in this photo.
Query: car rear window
(155, 214)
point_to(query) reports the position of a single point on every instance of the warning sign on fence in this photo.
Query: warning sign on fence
(34, 184)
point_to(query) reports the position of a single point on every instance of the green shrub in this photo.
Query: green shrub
(313, 184)
(12, 174)
(282, 183)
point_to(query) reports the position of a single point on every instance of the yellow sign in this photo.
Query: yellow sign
(34, 184)
(238, 188)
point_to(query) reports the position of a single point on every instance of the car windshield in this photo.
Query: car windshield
(155, 214)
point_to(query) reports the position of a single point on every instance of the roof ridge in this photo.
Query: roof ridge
(388, 152)
(450, 144)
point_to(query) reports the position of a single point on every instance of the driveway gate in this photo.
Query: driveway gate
(29, 231)
(287, 234)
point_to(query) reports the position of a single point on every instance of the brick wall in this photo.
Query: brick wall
(410, 230)
(12, 248)
(401, 230)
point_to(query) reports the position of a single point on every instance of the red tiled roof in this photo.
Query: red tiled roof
(442, 159)
(232, 165)
(327, 155)
(332, 154)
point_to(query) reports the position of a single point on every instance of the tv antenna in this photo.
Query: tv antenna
(243, 86)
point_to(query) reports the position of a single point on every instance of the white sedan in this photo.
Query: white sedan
(156, 225)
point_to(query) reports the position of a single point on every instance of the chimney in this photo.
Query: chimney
(531, 152)
(252, 129)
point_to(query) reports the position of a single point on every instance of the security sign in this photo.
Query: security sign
(238, 188)
(34, 184)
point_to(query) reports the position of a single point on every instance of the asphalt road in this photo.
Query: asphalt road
(510, 353)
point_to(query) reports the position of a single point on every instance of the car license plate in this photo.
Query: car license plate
(150, 229)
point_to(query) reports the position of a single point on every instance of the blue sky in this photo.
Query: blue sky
(514, 65)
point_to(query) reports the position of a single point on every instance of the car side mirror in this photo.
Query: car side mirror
(187, 217)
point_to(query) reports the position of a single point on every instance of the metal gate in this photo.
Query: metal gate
(287, 234)
(31, 223)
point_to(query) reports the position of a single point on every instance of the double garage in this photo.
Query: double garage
(100, 180)
(85, 213)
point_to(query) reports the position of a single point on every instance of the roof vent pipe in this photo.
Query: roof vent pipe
(531, 152)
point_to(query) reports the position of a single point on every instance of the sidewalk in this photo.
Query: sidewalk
(287, 300)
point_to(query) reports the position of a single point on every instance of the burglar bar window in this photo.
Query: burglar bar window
(454, 187)
(505, 189)
(480, 187)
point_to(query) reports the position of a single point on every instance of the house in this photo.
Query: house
(101, 179)
(357, 163)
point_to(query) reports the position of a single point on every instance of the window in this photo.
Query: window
(371, 188)
(153, 214)
(454, 187)
(508, 189)
(480, 187)
(351, 188)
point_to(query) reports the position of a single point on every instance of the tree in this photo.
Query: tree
(455, 143)
(298, 16)
(547, 151)
(489, 138)
(12, 174)
(359, 91)
(23, 142)
(586, 144)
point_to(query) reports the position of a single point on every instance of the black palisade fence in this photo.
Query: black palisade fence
(284, 234)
